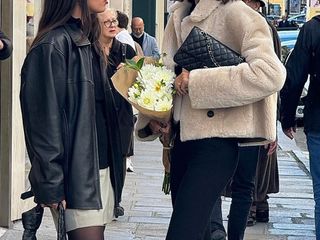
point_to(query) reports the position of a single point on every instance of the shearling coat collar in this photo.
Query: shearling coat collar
(202, 10)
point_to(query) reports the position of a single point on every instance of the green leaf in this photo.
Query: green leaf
(131, 62)
(140, 63)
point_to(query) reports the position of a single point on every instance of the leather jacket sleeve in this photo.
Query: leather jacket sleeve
(7, 48)
(44, 76)
(297, 68)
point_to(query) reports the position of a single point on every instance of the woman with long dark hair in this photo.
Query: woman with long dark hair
(216, 110)
(71, 163)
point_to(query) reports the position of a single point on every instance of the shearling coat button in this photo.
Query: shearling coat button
(210, 113)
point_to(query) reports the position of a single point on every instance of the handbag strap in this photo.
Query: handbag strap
(123, 52)
(61, 235)
(209, 48)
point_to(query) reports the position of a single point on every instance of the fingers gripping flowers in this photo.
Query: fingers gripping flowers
(153, 88)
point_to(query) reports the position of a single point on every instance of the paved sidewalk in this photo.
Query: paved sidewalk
(148, 210)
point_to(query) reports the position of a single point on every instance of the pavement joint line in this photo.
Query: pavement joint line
(300, 163)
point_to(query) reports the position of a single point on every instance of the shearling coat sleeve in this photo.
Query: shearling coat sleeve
(142, 131)
(259, 77)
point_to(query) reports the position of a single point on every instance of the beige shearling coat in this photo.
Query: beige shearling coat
(242, 98)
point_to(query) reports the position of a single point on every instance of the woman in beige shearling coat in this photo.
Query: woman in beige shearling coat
(216, 109)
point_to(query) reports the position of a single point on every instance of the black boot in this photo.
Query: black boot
(31, 221)
(252, 215)
(262, 213)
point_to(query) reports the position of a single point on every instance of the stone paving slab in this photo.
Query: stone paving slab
(2, 231)
(148, 210)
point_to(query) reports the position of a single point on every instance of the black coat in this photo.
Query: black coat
(303, 61)
(7, 48)
(119, 52)
(58, 107)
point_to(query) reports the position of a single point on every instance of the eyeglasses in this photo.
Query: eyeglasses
(108, 23)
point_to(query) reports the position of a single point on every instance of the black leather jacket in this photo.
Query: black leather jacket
(304, 61)
(7, 48)
(58, 107)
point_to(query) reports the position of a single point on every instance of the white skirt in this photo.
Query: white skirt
(77, 218)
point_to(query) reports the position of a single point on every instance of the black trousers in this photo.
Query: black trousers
(242, 188)
(200, 170)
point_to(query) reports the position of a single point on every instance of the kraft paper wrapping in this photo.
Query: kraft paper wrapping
(124, 78)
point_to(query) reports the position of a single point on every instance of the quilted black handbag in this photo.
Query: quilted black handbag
(200, 50)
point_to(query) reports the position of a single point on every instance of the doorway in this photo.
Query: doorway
(146, 9)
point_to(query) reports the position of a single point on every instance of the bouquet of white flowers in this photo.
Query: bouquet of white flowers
(147, 86)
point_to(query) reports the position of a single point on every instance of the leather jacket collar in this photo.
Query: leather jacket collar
(77, 36)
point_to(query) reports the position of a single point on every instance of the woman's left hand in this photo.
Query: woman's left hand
(272, 147)
(159, 127)
(181, 83)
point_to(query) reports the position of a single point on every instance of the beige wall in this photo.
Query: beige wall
(12, 155)
(18, 151)
(160, 22)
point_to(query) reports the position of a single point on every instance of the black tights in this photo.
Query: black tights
(87, 233)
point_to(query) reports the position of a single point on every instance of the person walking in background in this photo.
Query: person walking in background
(72, 133)
(284, 22)
(124, 36)
(5, 46)
(304, 62)
(215, 110)
(122, 33)
(147, 42)
(115, 54)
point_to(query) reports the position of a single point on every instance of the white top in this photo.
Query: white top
(125, 37)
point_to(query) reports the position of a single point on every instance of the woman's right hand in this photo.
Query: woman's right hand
(158, 127)
(181, 83)
(289, 132)
(55, 205)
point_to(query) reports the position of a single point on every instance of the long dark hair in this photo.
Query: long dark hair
(57, 12)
